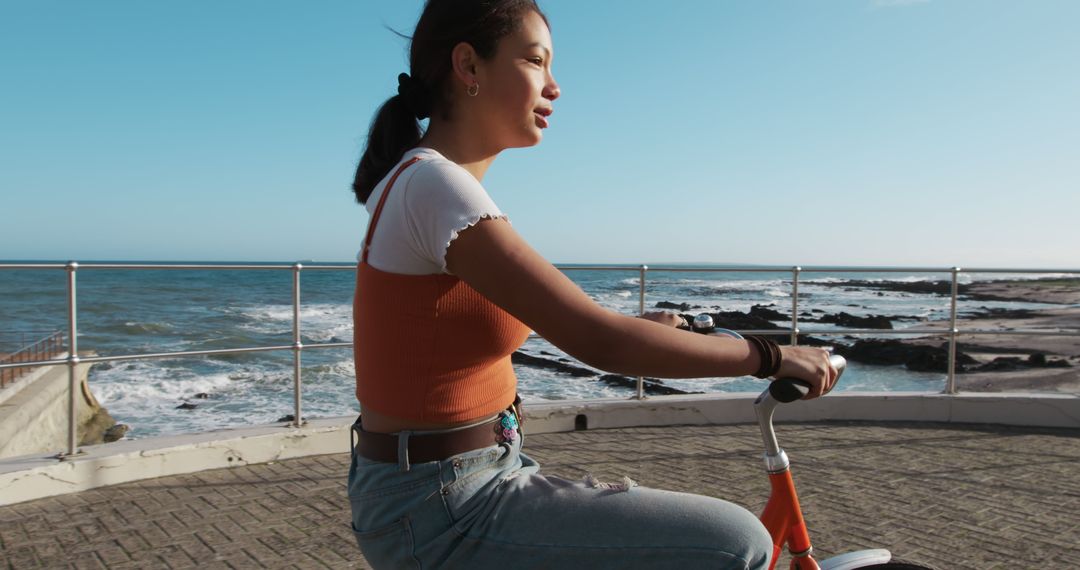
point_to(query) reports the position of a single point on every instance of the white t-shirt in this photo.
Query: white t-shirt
(430, 203)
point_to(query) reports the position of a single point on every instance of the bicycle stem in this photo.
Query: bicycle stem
(775, 459)
(765, 405)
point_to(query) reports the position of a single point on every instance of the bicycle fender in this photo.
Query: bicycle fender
(857, 559)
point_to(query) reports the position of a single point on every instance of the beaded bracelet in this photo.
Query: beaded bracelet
(770, 355)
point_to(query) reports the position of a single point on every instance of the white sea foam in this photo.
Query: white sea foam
(320, 322)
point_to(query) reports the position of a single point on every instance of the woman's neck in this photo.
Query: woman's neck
(458, 146)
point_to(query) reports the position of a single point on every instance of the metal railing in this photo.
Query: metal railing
(297, 347)
(796, 271)
(45, 347)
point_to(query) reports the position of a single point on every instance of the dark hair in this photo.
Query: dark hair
(443, 25)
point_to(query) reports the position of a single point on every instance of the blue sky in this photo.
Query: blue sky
(829, 132)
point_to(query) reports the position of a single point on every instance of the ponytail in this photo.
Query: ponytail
(394, 131)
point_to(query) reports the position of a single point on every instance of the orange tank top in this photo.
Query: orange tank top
(429, 348)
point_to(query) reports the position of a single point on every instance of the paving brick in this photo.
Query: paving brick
(954, 496)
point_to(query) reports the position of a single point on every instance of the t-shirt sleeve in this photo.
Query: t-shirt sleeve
(441, 200)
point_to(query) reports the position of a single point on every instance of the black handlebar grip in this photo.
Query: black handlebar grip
(785, 390)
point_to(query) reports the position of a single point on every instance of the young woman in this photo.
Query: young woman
(447, 290)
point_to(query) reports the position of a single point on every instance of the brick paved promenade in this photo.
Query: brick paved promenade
(956, 497)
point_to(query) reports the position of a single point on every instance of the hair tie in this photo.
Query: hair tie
(413, 94)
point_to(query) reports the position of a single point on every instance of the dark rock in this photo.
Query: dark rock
(202, 396)
(290, 418)
(803, 340)
(741, 321)
(1040, 361)
(186, 406)
(919, 358)
(761, 311)
(1002, 364)
(519, 357)
(115, 433)
(851, 321)
(93, 430)
(652, 386)
(921, 287)
(675, 306)
(970, 347)
(986, 313)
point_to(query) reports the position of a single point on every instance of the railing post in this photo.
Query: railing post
(795, 304)
(950, 382)
(298, 346)
(72, 363)
(640, 394)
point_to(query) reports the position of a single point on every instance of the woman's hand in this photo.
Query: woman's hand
(809, 364)
(665, 318)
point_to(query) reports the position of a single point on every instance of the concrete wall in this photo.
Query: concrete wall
(34, 417)
(34, 476)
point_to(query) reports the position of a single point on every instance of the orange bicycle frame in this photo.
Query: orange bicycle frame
(783, 519)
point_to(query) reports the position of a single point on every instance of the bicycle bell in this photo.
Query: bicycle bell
(703, 324)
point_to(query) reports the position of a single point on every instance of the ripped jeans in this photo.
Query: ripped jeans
(491, 508)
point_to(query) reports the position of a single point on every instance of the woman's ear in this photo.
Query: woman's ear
(464, 60)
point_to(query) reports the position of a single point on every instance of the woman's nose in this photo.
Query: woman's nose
(551, 90)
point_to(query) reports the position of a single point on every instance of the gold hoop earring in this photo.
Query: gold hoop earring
(473, 90)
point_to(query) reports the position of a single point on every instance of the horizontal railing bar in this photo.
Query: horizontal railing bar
(598, 267)
(145, 356)
(1007, 270)
(885, 332)
(350, 267)
(942, 332)
(679, 269)
(93, 359)
(141, 266)
(834, 332)
(843, 269)
(818, 269)
(788, 269)
(33, 265)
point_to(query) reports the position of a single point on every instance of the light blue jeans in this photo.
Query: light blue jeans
(491, 508)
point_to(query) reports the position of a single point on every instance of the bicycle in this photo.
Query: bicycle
(782, 515)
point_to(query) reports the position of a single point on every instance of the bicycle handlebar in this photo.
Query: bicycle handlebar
(785, 390)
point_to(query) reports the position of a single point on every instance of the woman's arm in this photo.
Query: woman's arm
(493, 259)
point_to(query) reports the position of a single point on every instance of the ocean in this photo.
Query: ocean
(124, 312)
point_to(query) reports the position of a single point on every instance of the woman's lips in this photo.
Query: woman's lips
(541, 120)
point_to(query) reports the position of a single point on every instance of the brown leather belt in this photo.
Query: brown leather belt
(422, 448)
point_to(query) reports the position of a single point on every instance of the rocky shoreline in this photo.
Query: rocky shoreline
(987, 363)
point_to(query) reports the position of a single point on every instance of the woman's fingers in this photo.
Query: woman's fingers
(811, 365)
(664, 318)
(820, 371)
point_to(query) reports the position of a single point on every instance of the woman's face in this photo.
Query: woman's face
(517, 87)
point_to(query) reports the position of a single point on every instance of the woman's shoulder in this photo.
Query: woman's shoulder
(434, 169)
(441, 180)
